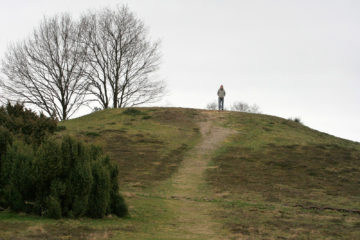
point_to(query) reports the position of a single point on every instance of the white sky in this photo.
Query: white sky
(293, 58)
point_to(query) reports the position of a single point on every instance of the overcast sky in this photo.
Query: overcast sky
(292, 58)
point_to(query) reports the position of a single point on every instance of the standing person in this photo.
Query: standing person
(221, 95)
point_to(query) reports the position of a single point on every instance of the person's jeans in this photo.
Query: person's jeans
(221, 103)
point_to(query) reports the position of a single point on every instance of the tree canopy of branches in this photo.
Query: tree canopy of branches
(212, 106)
(105, 57)
(244, 107)
(47, 70)
(121, 59)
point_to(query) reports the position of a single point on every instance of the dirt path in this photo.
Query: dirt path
(189, 187)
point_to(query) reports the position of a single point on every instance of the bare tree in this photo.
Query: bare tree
(47, 70)
(244, 107)
(121, 59)
(212, 106)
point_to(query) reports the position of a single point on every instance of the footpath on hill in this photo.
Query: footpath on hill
(187, 192)
(193, 211)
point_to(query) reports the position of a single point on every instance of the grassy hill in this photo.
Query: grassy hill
(270, 178)
(147, 143)
(283, 178)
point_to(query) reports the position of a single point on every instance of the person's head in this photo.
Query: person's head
(221, 86)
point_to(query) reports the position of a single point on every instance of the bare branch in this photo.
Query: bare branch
(244, 107)
(121, 59)
(48, 69)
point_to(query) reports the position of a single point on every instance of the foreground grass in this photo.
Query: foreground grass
(148, 144)
(277, 175)
(149, 218)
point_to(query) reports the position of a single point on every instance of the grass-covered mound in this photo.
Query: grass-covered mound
(286, 180)
(272, 179)
(148, 144)
(50, 177)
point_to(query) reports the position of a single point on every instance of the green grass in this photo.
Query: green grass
(281, 163)
(147, 143)
(256, 179)
(146, 215)
(18, 226)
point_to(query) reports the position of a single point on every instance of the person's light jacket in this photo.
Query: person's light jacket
(221, 93)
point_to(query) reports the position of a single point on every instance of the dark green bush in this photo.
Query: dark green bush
(60, 128)
(100, 193)
(23, 122)
(296, 119)
(132, 111)
(53, 207)
(42, 176)
(14, 198)
(66, 179)
(117, 204)
(17, 176)
(5, 140)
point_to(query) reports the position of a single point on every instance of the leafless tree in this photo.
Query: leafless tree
(47, 70)
(244, 107)
(121, 59)
(211, 106)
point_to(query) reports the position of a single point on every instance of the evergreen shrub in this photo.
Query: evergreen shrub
(25, 123)
(67, 179)
(53, 178)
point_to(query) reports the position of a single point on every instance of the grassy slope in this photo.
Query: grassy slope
(258, 176)
(148, 144)
(274, 164)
